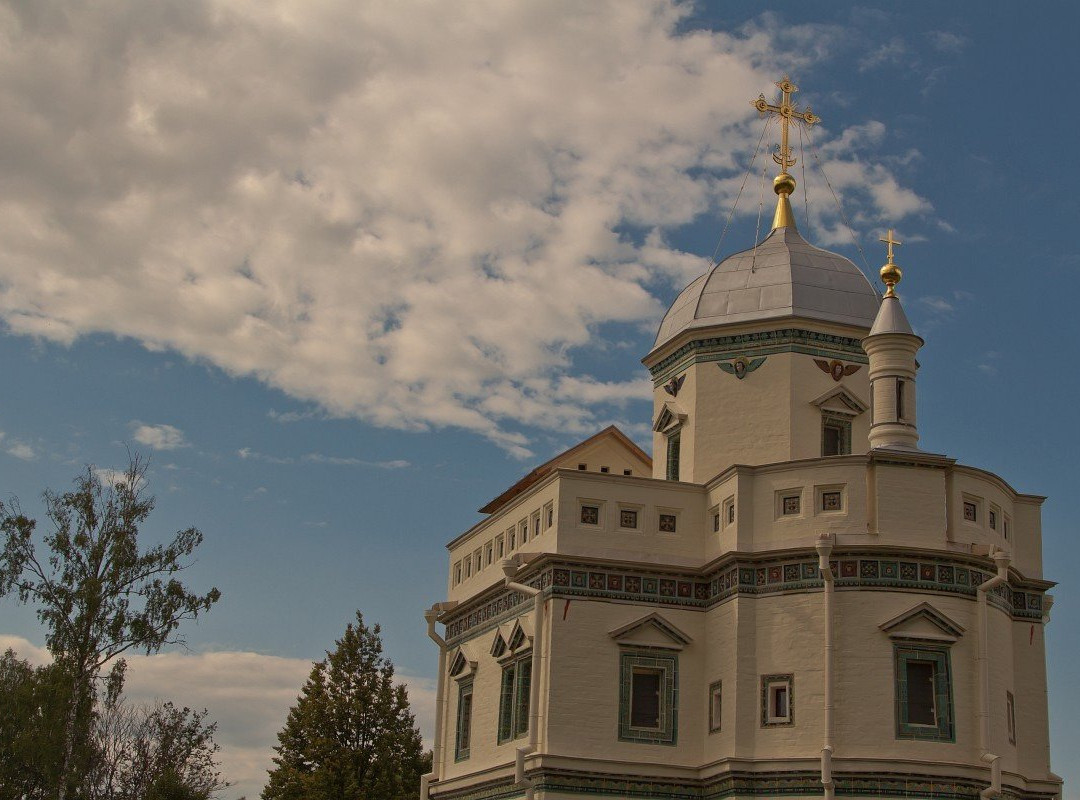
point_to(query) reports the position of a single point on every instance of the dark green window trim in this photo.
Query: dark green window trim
(514, 697)
(464, 719)
(674, 446)
(943, 730)
(650, 661)
(842, 426)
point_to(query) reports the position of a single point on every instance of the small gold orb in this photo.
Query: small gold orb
(891, 275)
(783, 184)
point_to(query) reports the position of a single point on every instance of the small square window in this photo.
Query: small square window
(791, 504)
(590, 515)
(667, 523)
(776, 700)
(582, 466)
(627, 472)
(971, 511)
(831, 501)
(605, 469)
(715, 706)
(628, 518)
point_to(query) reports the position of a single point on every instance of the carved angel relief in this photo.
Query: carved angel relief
(740, 367)
(837, 369)
(672, 387)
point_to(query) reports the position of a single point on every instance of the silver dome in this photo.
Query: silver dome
(784, 276)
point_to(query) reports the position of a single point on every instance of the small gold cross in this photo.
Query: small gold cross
(890, 241)
(890, 273)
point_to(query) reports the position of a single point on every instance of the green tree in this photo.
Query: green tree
(351, 734)
(97, 593)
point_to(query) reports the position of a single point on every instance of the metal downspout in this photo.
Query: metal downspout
(510, 566)
(430, 616)
(824, 548)
(1002, 560)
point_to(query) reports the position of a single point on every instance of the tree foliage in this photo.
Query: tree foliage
(97, 592)
(351, 734)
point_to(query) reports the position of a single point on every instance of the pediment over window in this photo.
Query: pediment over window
(652, 630)
(841, 400)
(499, 645)
(923, 623)
(461, 665)
(520, 637)
(670, 416)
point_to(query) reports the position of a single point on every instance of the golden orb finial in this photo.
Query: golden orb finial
(891, 272)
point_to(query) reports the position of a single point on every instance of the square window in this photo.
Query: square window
(590, 515)
(648, 697)
(582, 466)
(667, 523)
(923, 694)
(791, 505)
(627, 472)
(605, 469)
(628, 518)
(777, 700)
(715, 706)
(971, 511)
(831, 501)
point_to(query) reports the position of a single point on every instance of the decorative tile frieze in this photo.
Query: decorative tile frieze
(562, 579)
(736, 785)
(787, 340)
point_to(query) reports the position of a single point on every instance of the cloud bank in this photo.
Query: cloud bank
(409, 213)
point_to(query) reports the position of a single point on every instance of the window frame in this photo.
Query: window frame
(841, 424)
(770, 684)
(716, 706)
(464, 720)
(673, 446)
(515, 700)
(944, 728)
(652, 660)
(1010, 716)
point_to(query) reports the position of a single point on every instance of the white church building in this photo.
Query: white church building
(789, 598)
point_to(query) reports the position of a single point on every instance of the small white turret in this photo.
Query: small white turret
(891, 347)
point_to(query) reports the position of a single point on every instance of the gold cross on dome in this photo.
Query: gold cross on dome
(787, 111)
(889, 242)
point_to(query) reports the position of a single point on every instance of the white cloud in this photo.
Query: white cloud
(947, 42)
(319, 458)
(247, 694)
(375, 217)
(22, 451)
(159, 437)
(937, 304)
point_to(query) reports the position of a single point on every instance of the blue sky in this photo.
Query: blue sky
(346, 274)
